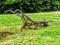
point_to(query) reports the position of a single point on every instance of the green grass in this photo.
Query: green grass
(42, 36)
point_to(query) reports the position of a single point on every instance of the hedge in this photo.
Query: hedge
(30, 6)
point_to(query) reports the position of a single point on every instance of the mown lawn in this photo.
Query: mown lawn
(42, 36)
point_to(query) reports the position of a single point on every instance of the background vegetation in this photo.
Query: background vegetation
(30, 5)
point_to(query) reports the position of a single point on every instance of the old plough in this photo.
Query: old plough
(28, 22)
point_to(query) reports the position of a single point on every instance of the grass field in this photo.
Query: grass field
(42, 36)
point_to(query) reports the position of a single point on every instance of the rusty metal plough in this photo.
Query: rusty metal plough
(28, 22)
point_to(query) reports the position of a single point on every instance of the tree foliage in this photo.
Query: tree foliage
(30, 5)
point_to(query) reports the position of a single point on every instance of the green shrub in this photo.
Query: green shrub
(30, 5)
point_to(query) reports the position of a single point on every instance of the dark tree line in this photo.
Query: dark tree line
(30, 5)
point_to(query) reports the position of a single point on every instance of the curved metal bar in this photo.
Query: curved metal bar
(9, 11)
